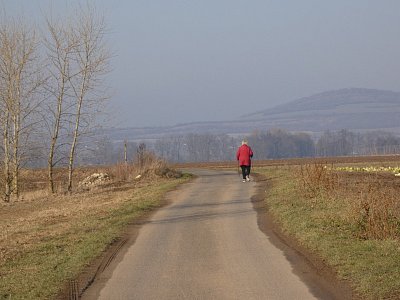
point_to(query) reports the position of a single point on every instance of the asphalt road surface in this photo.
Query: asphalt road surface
(205, 245)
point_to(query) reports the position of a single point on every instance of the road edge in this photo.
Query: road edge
(114, 252)
(321, 279)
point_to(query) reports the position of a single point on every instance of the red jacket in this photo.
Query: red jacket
(244, 155)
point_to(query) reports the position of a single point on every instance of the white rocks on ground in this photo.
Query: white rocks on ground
(94, 180)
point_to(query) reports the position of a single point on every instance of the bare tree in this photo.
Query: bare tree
(170, 148)
(141, 155)
(19, 79)
(91, 58)
(61, 45)
(125, 151)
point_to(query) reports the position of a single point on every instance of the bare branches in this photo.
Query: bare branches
(20, 79)
(60, 46)
(66, 91)
(78, 60)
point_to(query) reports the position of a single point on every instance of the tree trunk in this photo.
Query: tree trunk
(50, 167)
(7, 176)
(73, 147)
(56, 129)
(16, 154)
(91, 59)
(76, 130)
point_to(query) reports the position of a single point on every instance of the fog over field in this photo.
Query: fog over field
(184, 61)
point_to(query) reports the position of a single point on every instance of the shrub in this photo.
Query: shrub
(122, 171)
(317, 180)
(376, 211)
(147, 164)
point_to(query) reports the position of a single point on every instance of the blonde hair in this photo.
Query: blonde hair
(244, 142)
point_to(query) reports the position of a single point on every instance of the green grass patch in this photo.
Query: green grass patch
(321, 225)
(40, 270)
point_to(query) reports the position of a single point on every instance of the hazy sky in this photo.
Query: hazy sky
(179, 61)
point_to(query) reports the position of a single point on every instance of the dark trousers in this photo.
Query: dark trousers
(245, 171)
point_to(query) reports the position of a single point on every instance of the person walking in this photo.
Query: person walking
(244, 155)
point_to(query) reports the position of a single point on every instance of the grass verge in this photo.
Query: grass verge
(371, 265)
(50, 242)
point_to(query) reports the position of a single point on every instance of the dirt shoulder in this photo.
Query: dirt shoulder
(320, 278)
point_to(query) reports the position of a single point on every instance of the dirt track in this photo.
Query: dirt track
(208, 245)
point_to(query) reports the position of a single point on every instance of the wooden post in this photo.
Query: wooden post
(125, 152)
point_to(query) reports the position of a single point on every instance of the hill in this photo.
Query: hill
(356, 109)
(353, 108)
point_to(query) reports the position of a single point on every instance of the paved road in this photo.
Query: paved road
(205, 245)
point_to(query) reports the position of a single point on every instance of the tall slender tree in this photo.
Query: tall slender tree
(19, 80)
(78, 59)
(61, 45)
(91, 59)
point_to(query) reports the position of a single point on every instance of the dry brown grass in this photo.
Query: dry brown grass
(34, 182)
(371, 200)
(150, 166)
(25, 223)
(317, 180)
(46, 239)
(375, 209)
(36, 211)
(122, 171)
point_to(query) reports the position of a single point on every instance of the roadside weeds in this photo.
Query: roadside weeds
(323, 226)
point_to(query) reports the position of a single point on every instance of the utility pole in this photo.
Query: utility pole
(125, 152)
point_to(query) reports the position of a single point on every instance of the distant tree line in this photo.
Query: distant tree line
(270, 144)
(345, 142)
(180, 148)
(279, 143)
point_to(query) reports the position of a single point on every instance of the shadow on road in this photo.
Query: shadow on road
(202, 216)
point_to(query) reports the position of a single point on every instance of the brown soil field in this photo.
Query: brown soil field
(353, 180)
(297, 161)
(34, 181)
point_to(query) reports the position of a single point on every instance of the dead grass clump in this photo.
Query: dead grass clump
(122, 171)
(376, 211)
(317, 180)
(147, 160)
(168, 172)
(149, 165)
